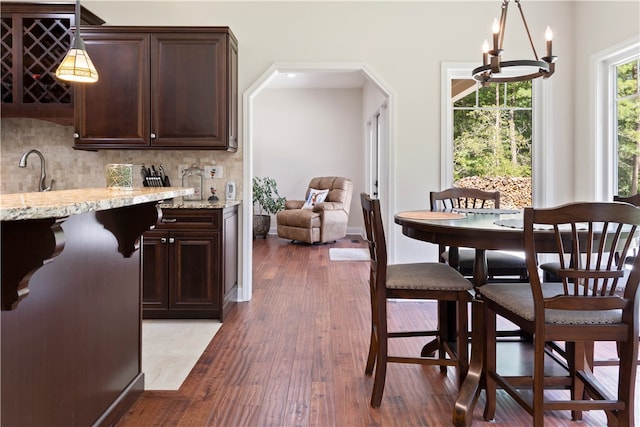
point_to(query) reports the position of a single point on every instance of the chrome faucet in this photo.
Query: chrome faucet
(43, 175)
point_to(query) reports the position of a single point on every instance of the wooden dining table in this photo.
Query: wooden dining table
(481, 229)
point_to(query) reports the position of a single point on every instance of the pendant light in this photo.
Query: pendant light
(494, 70)
(76, 65)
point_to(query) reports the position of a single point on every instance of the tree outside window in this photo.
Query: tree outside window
(492, 139)
(628, 127)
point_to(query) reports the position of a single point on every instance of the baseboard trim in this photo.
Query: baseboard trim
(122, 403)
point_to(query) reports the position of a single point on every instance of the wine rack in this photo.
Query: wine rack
(34, 39)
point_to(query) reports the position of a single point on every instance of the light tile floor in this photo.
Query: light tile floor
(170, 349)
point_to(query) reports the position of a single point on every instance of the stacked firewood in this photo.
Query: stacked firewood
(515, 193)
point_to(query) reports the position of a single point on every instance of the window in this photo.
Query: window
(492, 139)
(615, 128)
(627, 126)
(536, 111)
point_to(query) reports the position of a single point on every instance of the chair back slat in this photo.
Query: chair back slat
(592, 241)
(464, 198)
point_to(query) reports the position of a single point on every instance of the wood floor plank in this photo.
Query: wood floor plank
(295, 356)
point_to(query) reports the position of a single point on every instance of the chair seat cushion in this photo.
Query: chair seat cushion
(518, 298)
(303, 218)
(426, 275)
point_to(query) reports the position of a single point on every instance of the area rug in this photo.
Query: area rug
(171, 348)
(349, 254)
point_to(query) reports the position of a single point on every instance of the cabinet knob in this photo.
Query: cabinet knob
(153, 135)
(163, 240)
(172, 240)
(76, 135)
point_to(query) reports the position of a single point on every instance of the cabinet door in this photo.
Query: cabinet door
(189, 90)
(194, 269)
(114, 111)
(155, 285)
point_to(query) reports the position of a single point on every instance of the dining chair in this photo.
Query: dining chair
(499, 264)
(584, 307)
(549, 273)
(416, 281)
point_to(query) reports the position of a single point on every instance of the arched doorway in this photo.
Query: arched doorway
(384, 153)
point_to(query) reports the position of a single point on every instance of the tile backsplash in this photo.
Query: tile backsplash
(84, 169)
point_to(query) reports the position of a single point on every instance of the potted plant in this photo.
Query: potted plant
(266, 202)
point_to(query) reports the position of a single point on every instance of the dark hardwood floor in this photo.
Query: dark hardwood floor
(295, 356)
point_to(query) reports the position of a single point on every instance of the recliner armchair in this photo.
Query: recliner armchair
(323, 222)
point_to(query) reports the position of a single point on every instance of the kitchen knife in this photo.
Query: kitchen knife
(161, 172)
(143, 172)
(165, 177)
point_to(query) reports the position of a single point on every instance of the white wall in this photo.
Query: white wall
(619, 23)
(405, 43)
(299, 134)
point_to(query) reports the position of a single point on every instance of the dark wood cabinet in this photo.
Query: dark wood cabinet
(159, 88)
(190, 264)
(34, 40)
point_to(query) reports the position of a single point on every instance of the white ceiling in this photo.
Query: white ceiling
(317, 80)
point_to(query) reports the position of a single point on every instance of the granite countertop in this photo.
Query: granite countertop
(180, 203)
(62, 203)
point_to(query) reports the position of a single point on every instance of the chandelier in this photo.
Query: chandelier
(494, 70)
(76, 65)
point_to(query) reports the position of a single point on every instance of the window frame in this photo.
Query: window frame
(604, 128)
(542, 174)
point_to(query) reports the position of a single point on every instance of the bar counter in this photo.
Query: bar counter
(70, 329)
(57, 204)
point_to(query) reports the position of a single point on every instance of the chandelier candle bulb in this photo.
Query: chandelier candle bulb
(485, 52)
(496, 34)
(548, 35)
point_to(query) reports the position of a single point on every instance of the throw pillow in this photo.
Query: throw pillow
(315, 196)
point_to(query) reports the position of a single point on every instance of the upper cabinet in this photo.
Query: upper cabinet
(159, 88)
(34, 39)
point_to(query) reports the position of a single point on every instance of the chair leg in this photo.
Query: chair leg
(538, 379)
(578, 355)
(627, 372)
(462, 342)
(381, 357)
(589, 353)
(373, 342)
(443, 332)
(373, 349)
(489, 329)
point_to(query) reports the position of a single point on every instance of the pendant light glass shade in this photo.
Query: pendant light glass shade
(76, 65)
